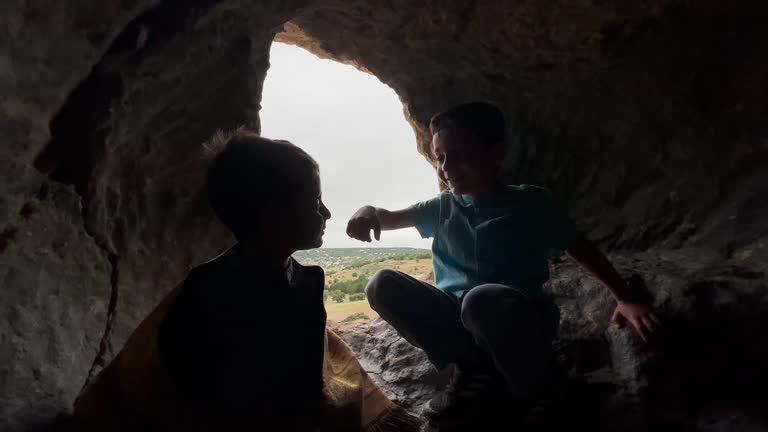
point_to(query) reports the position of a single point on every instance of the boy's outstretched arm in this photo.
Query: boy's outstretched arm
(630, 303)
(370, 218)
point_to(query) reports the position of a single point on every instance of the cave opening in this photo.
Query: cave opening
(353, 125)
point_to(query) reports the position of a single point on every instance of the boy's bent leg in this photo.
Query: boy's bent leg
(425, 316)
(516, 331)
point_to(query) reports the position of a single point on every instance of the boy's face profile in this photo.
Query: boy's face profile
(464, 163)
(303, 223)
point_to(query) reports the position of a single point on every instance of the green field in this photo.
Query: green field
(337, 312)
(347, 258)
(347, 272)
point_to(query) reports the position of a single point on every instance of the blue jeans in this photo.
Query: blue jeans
(498, 320)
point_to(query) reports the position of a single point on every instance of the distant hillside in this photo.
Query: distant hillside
(348, 270)
(341, 258)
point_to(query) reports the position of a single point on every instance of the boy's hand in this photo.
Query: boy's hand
(362, 222)
(641, 315)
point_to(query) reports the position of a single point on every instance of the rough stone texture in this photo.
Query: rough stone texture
(105, 108)
(709, 360)
(643, 115)
(55, 280)
(55, 289)
(398, 367)
(647, 117)
(707, 373)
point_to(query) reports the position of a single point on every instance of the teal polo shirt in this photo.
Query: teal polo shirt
(503, 236)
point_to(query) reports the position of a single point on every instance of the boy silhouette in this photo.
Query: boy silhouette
(488, 314)
(267, 192)
(241, 344)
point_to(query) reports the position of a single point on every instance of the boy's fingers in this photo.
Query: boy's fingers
(367, 231)
(353, 228)
(652, 316)
(349, 229)
(376, 228)
(649, 324)
(641, 330)
(617, 319)
(357, 231)
(360, 232)
(354, 233)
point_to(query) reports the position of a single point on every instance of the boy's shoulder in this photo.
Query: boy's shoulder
(314, 269)
(525, 195)
(196, 303)
(528, 190)
(220, 282)
(507, 196)
(226, 269)
(213, 270)
(311, 273)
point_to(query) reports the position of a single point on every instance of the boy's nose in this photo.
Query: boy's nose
(325, 212)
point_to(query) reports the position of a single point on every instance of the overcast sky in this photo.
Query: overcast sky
(353, 125)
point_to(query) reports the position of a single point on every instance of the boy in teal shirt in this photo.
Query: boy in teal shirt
(491, 245)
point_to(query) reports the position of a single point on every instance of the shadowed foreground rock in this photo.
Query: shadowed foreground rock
(704, 375)
(401, 369)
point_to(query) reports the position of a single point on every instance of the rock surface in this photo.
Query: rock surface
(399, 368)
(646, 117)
(705, 375)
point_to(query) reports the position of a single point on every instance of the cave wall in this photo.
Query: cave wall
(55, 280)
(610, 103)
(104, 111)
(647, 117)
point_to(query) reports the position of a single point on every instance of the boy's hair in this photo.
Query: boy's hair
(484, 119)
(248, 172)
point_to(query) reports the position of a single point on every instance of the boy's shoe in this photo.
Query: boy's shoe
(474, 392)
(478, 399)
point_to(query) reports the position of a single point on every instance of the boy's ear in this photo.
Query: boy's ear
(441, 177)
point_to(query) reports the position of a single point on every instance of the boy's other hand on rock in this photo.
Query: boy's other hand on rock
(641, 315)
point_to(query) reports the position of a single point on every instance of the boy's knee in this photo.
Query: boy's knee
(491, 303)
(382, 287)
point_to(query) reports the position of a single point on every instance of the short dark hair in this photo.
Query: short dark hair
(247, 171)
(484, 119)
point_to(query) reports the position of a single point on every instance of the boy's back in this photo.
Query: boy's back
(242, 342)
(261, 332)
